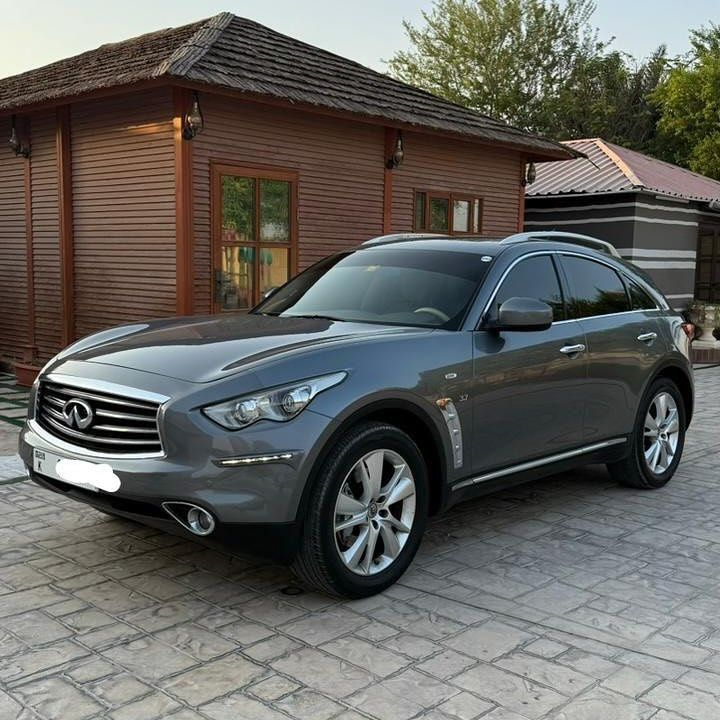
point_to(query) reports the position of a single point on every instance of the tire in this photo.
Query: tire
(635, 470)
(334, 559)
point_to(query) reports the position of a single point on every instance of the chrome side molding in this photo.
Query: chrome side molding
(539, 462)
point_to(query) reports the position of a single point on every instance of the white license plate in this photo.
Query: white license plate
(83, 474)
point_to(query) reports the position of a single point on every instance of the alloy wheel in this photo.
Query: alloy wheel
(661, 433)
(374, 512)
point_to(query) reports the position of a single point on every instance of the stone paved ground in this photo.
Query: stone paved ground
(569, 599)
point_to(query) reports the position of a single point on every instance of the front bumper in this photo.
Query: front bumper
(255, 506)
(277, 541)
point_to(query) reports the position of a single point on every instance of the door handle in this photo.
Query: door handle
(572, 349)
(647, 337)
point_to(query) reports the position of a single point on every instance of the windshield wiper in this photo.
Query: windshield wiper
(315, 317)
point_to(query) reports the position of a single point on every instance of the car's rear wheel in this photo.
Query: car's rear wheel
(367, 513)
(657, 440)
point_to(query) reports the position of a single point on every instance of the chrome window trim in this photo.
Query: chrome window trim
(506, 272)
(623, 273)
(601, 261)
(595, 317)
(530, 465)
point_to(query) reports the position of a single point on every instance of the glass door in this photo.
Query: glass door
(254, 235)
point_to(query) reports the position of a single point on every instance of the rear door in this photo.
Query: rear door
(528, 399)
(620, 322)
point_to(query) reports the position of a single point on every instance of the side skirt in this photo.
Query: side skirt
(600, 452)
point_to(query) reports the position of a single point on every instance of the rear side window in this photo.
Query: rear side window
(595, 289)
(640, 299)
(535, 277)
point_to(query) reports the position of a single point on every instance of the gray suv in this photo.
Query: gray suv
(377, 388)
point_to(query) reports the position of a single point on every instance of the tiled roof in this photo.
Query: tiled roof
(232, 52)
(611, 168)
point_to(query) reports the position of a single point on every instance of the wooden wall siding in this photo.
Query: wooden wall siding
(340, 166)
(13, 278)
(123, 209)
(432, 163)
(46, 240)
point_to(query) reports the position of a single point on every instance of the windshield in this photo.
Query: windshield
(425, 288)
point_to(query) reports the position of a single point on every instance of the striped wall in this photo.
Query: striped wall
(656, 233)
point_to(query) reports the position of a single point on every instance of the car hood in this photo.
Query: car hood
(204, 349)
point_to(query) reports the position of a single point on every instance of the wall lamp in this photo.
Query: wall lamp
(18, 147)
(194, 121)
(530, 174)
(398, 153)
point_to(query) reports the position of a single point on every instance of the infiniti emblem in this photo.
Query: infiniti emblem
(77, 413)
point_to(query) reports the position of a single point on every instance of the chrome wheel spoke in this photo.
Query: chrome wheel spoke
(351, 522)
(672, 424)
(348, 505)
(650, 455)
(398, 525)
(651, 425)
(370, 473)
(371, 544)
(354, 553)
(390, 540)
(404, 488)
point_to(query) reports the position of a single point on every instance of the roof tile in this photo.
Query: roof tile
(240, 54)
(611, 168)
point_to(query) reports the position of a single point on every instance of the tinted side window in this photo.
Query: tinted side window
(534, 277)
(596, 288)
(640, 299)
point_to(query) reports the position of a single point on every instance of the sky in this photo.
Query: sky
(37, 32)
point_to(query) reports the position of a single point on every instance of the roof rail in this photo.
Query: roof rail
(556, 236)
(399, 237)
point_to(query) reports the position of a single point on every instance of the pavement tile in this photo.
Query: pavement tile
(57, 698)
(239, 706)
(327, 674)
(601, 704)
(489, 640)
(213, 679)
(509, 691)
(377, 660)
(308, 705)
(684, 700)
(149, 659)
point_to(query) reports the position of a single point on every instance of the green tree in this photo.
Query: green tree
(689, 104)
(500, 57)
(610, 96)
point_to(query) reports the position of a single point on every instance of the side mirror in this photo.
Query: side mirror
(522, 314)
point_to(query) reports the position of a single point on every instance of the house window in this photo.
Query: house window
(451, 213)
(707, 275)
(254, 234)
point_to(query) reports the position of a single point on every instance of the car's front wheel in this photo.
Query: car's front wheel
(657, 441)
(366, 513)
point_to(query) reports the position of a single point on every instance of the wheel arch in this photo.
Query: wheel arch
(681, 378)
(409, 417)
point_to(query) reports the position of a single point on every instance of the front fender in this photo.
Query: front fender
(374, 405)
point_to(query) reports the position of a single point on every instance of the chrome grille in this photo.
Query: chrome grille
(117, 426)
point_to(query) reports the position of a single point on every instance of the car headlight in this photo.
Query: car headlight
(279, 404)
